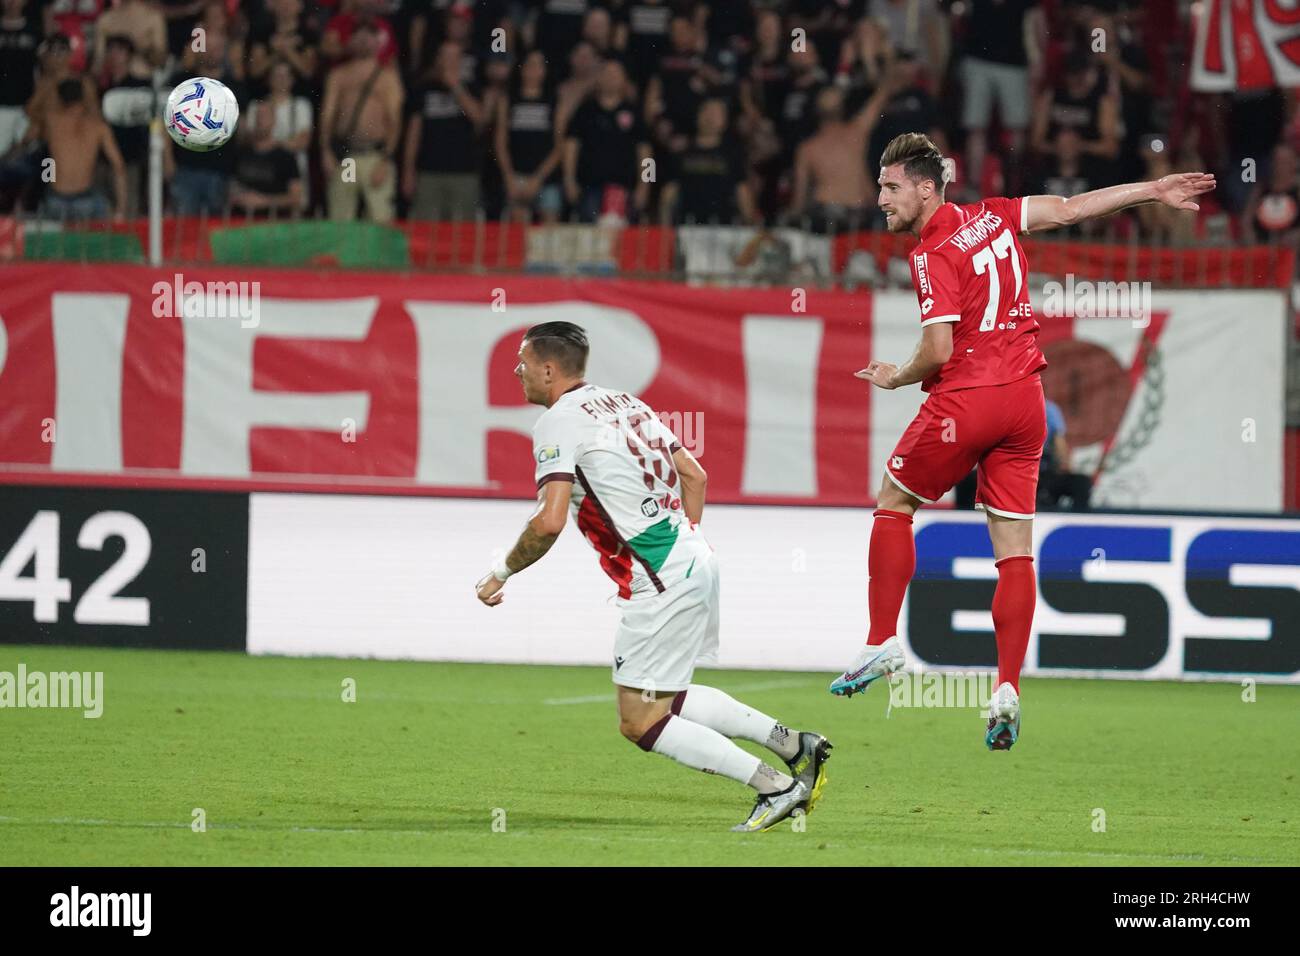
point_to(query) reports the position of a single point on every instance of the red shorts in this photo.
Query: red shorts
(1000, 428)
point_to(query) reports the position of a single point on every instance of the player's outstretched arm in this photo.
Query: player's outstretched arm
(694, 479)
(534, 541)
(1177, 191)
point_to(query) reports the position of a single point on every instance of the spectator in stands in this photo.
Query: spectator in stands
(55, 62)
(128, 106)
(181, 16)
(76, 137)
(335, 44)
(676, 88)
(1273, 212)
(221, 54)
(267, 176)
(584, 67)
(558, 27)
(361, 121)
(292, 122)
(865, 57)
(20, 38)
(797, 115)
(605, 152)
(727, 26)
(598, 30)
(707, 179)
(642, 35)
(910, 108)
(441, 161)
(768, 69)
(1087, 102)
(283, 35)
(1124, 58)
(528, 145)
(833, 186)
(1003, 55)
(915, 27)
(826, 24)
(144, 24)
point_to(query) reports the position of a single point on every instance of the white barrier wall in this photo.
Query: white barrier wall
(393, 577)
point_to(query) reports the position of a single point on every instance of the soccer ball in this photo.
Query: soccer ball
(201, 114)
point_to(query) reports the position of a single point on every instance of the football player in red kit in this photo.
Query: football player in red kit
(979, 360)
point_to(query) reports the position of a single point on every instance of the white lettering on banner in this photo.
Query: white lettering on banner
(221, 405)
(456, 342)
(89, 336)
(781, 357)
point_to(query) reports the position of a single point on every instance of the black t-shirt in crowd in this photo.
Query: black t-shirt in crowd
(608, 139)
(448, 142)
(995, 30)
(270, 173)
(647, 34)
(530, 131)
(128, 106)
(18, 62)
(707, 177)
(559, 28)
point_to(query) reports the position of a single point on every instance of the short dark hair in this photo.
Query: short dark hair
(921, 159)
(563, 343)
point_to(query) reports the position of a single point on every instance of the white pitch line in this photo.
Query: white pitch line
(742, 689)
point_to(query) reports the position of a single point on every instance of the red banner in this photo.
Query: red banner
(404, 384)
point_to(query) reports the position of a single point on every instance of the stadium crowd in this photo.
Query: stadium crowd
(753, 111)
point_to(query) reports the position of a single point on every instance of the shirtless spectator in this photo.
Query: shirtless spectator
(832, 184)
(361, 120)
(75, 137)
(56, 66)
(144, 24)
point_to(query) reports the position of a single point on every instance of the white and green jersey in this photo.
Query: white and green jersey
(626, 493)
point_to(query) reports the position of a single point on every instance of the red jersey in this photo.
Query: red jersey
(969, 269)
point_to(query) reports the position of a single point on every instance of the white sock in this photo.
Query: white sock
(699, 747)
(729, 717)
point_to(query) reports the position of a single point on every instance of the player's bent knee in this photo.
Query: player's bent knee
(631, 730)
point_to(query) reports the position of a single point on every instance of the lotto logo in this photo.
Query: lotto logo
(926, 306)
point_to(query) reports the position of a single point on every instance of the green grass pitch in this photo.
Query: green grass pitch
(418, 768)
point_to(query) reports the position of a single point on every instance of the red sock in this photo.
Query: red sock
(1013, 613)
(891, 561)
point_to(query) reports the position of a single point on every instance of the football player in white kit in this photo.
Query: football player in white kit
(637, 496)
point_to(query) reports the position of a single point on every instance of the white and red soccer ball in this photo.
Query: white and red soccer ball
(201, 114)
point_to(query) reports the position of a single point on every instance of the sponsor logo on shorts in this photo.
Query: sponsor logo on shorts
(896, 462)
(618, 662)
